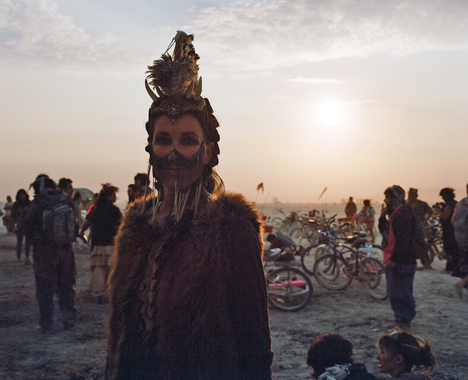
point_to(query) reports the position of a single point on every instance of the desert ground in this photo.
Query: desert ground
(79, 353)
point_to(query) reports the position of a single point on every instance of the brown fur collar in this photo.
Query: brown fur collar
(195, 336)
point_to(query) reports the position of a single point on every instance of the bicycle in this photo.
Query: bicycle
(287, 223)
(329, 238)
(433, 235)
(337, 270)
(289, 288)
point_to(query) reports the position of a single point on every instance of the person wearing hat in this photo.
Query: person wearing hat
(188, 296)
(396, 224)
(421, 209)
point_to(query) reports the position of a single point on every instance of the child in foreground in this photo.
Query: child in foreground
(400, 353)
(331, 358)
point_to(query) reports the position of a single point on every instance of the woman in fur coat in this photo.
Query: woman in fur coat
(188, 293)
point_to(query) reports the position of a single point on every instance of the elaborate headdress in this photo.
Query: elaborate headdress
(178, 91)
(175, 79)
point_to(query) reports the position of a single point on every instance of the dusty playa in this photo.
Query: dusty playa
(79, 353)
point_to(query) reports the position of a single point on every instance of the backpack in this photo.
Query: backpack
(58, 222)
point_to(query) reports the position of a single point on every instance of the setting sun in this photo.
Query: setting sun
(329, 112)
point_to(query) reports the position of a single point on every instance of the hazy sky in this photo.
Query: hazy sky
(349, 95)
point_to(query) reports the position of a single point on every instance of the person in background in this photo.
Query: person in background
(403, 356)
(331, 358)
(397, 225)
(92, 203)
(54, 266)
(460, 225)
(283, 242)
(367, 216)
(7, 221)
(448, 231)
(350, 209)
(421, 209)
(78, 200)
(104, 219)
(20, 207)
(141, 186)
(130, 193)
(65, 184)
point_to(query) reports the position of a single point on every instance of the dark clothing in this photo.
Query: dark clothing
(359, 372)
(105, 219)
(190, 302)
(55, 272)
(350, 209)
(54, 267)
(17, 214)
(20, 235)
(421, 209)
(400, 291)
(400, 279)
(412, 376)
(403, 226)
(448, 238)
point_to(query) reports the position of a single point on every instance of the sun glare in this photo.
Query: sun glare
(329, 112)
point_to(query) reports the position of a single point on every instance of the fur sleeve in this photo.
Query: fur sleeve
(128, 247)
(246, 287)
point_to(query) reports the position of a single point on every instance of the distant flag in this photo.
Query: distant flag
(260, 187)
(322, 193)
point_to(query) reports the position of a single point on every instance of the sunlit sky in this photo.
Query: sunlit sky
(353, 96)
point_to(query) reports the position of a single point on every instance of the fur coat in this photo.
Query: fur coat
(191, 303)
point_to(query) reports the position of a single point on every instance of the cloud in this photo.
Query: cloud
(314, 81)
(278, 33)
(36, 28)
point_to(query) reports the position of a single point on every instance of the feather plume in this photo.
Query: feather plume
(173, 76)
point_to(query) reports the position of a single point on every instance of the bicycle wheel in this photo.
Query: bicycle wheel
(372, 275)
(426, 261)
(377, 252)
(289, 289)
(297, 234)
(333, 272)
(345, 231)
(311, 254)
(277, 222)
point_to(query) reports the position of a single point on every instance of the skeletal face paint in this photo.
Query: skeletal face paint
(178, 151)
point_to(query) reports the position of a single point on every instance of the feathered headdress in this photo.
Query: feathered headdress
(175, 79)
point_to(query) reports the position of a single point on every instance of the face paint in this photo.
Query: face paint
(178, 156)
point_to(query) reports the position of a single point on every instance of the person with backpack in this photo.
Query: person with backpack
(50, 227)
(397, 224)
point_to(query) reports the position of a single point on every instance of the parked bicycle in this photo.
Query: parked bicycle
(287, 223)
(433, 237)
(337, 270)
(289, 288)
(329, 238)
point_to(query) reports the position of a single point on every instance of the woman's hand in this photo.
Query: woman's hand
(383, 210)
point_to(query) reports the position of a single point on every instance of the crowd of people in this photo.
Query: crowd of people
(175, 264)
